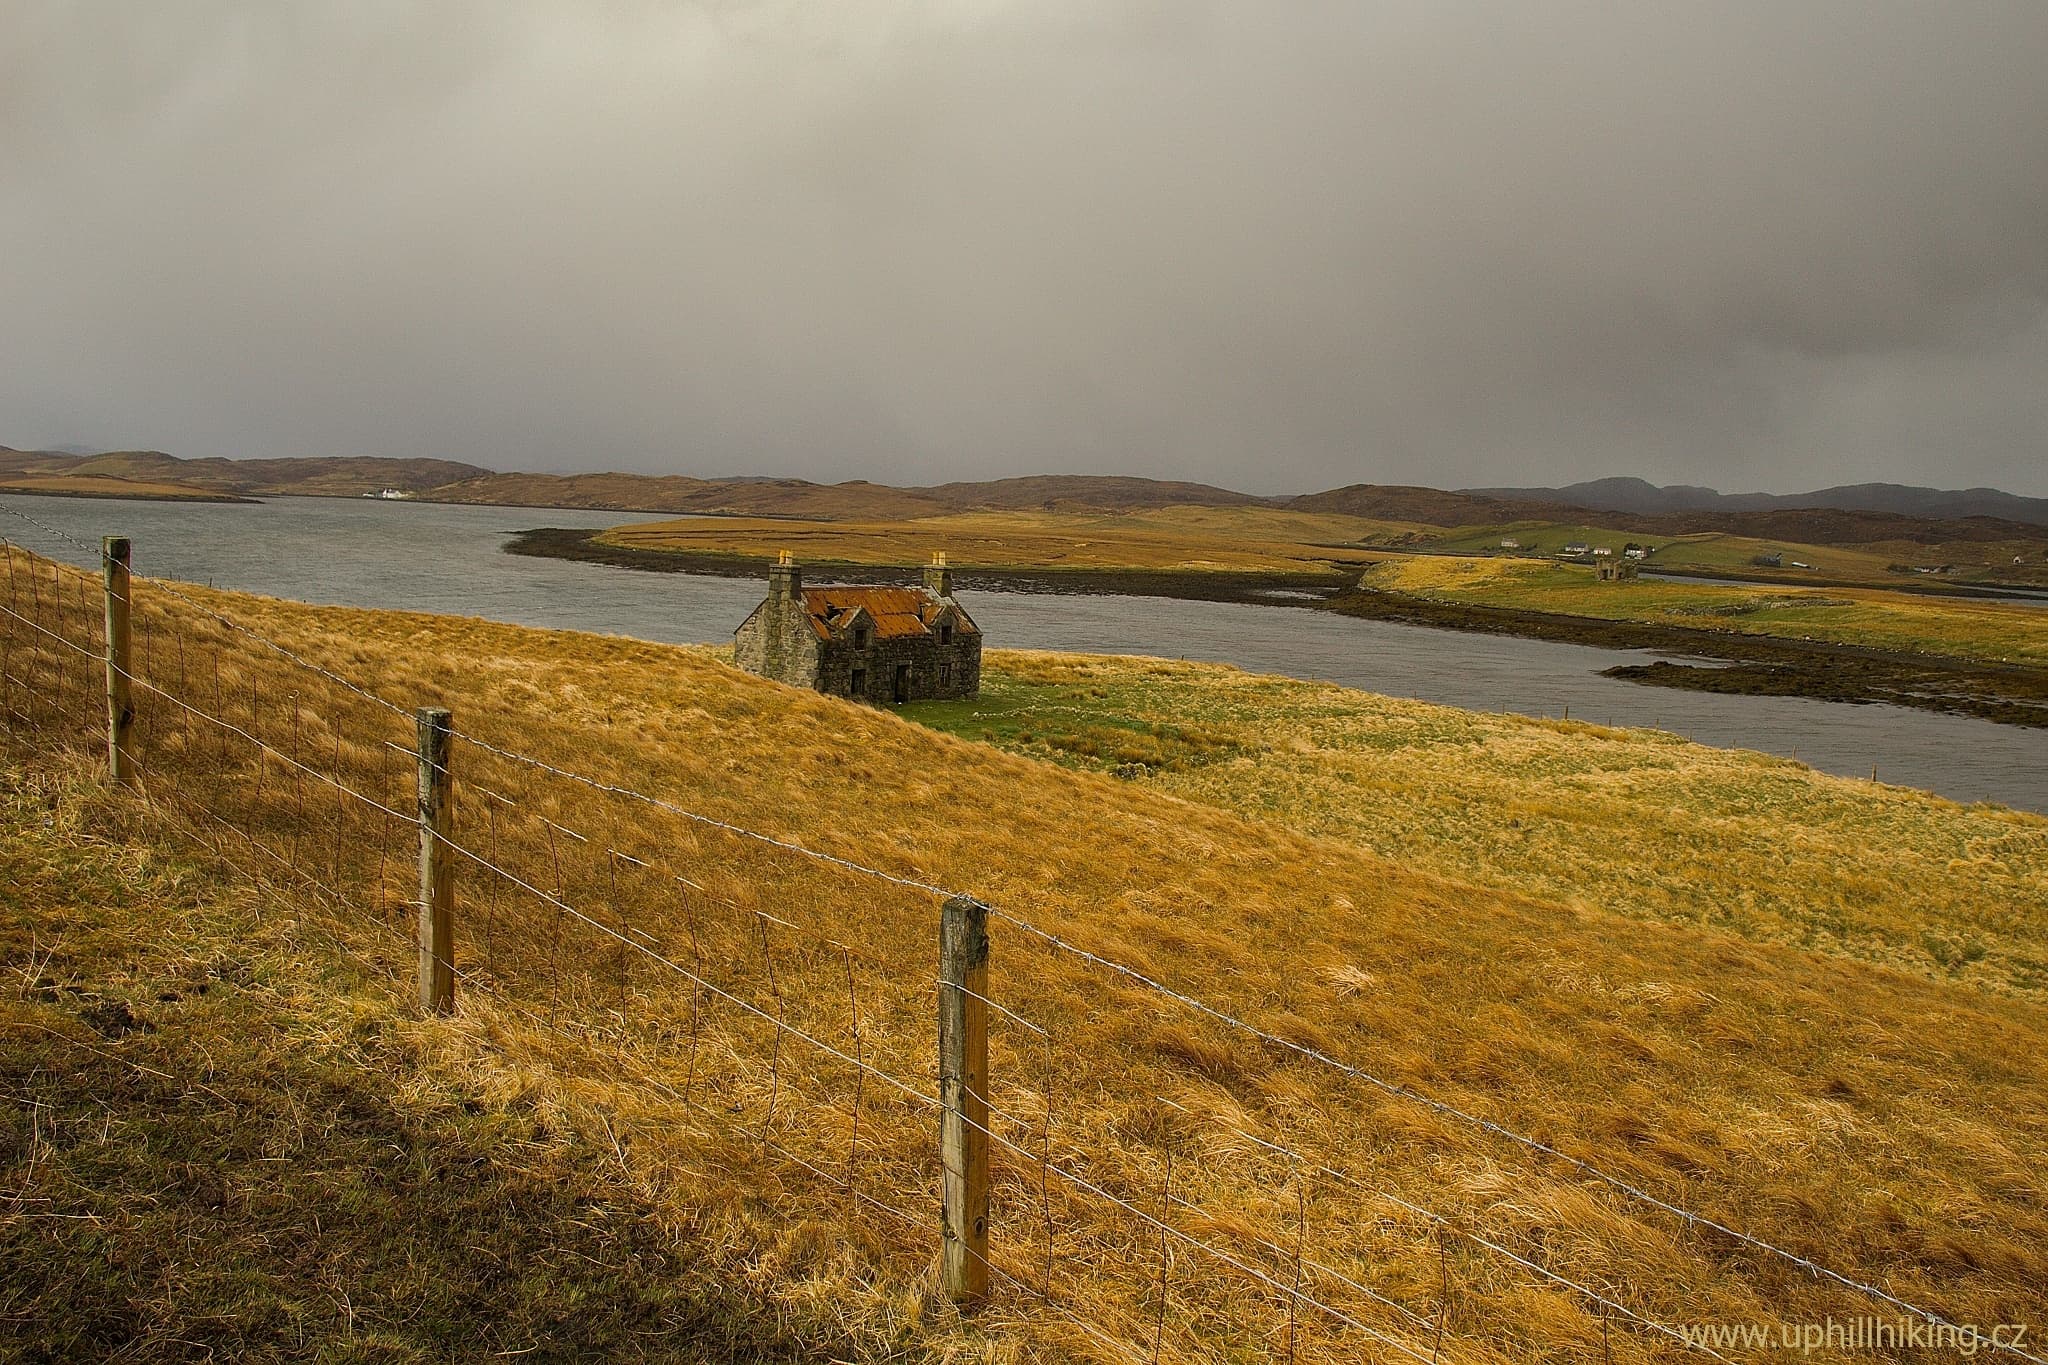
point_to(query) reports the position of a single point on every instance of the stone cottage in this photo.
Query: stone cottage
(877, 644)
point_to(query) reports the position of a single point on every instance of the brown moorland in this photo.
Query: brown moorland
(108, 486)
(1888, 1126)
(1194, 539)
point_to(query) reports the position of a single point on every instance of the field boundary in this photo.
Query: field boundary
(311, 772)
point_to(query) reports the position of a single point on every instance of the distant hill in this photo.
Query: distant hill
(1087, 492)
(749, 497)
(1833, 526)
(343, 475)
(1639, 495)
(855, 500)
(1431, 506)
(1856, 514)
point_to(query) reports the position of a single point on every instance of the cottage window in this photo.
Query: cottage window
(946, 633)
(860, 638)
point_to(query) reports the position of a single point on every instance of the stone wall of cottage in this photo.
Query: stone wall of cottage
(777, 640)
(936, 671)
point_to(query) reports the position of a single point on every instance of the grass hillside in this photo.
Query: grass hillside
(1600, 820)
(1877, 562)
(678, 493)
(1977, 630)
(1238, 539)
(1888, 1123)
(108, 486)
(228, 1137)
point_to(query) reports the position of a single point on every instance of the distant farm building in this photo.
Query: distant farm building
(1575, 549)
(1602, 551)
(1615, 570)
(1513, 544)
(877, 644)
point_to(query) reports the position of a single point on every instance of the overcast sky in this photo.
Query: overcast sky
(1274, 244)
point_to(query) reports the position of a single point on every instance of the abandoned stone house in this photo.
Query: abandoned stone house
(877, 644)
(1615, 570)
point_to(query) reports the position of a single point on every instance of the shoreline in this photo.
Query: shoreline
(1753, 665)
(1986, 590)
(1220, 585)
(110, 495)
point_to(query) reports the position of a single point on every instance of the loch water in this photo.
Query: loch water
(435, 557)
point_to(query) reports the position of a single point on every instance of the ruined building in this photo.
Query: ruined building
(878, 644)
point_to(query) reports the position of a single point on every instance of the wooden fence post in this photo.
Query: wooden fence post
(963, 1095)
(114, 554)
(437, 861)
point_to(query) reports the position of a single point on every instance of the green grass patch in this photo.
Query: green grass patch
(1638, 822)
(1087, 726)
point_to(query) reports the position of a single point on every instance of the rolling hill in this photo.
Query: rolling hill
(341, 476)
(1898, 500)
(1835, 1070)
(1865, 515)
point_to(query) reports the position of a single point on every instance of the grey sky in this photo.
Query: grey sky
(1276, 244)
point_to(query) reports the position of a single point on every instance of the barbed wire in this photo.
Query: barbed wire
(1448, 1225)
(748, 1006)
(1406, 1092)
(44, 526)
(1087, 1186)
(170, 587)
(1056, 941)
(698, 817)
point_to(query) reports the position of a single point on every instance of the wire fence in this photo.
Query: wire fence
(776, 1003)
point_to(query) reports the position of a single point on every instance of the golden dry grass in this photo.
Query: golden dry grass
(104, 486)
(1993, 631)
(1889, 1125)
(227, 1137)
(1869, 562)
(1243, 539)
(1631, 822)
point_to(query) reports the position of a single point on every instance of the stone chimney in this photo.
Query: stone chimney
(938, 579)
(785, 579)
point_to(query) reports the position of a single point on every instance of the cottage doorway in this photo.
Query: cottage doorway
(902, 682)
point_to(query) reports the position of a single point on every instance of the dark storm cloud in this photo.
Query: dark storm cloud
(1276, 245)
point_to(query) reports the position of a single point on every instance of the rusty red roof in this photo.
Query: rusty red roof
(896, 612)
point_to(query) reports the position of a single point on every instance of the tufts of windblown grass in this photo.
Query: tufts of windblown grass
(1883, 1123)
(1639, 823)
(1991, 631)
(226, 1136)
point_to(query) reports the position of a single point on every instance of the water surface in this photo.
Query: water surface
(441, 558)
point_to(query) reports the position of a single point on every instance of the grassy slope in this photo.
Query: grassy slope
(1717, 552)
(1636, 822)
(1993, 631)
(1187, 538)
(102, 486)
(1845, 1110)
(680, 493)
(225, 1137)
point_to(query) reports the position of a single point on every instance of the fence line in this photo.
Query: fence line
(1394, 1088)
(623, 936)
